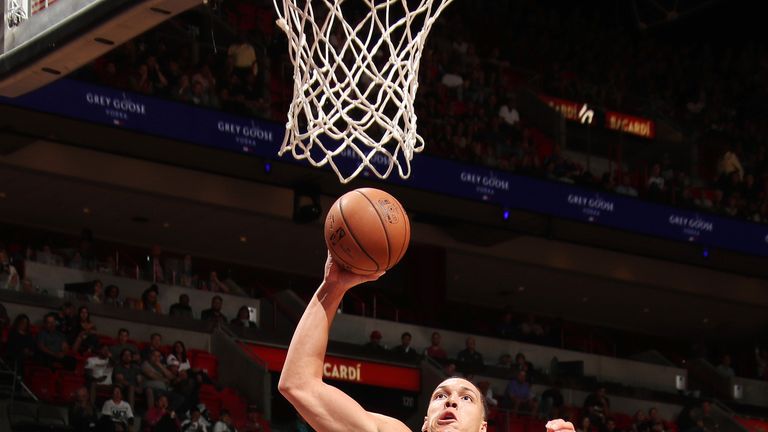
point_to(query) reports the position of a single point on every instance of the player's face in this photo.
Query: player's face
(456, 405)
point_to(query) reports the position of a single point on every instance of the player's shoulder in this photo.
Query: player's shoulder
(389, 424)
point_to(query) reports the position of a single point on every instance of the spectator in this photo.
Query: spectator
(66, 321)
(374, 345)
(215, 285)
(505, 361)
(640, 422)
(186, 271)
(214, 313)
(82, 413)
(225, 423)
(436, 351)
(9, 277)
(405, 350)
(610, 425)
(552, 402)
(597, 406)
(521, 364)
(487, 392)
(182, 308)
(195, 422)
(154, 265)
(729, 163)
(86, 331)
(112, 296)
(531, 330)
(698, 419)
(155, 344)
(160, 379)
(117, 414)
(160, 418)
(52, 346)
(21, 344)
(724, 368)
(243, 55)
(519, 394)
(449, 369)
(469, 359)
(149, 300)
(761, 360)
(97, 292)
(626, 188)
(585, 425)
(655, 420)
(127, 375)
(99, 369)
(123, 343)
(255, 421)
(178, 357)
(656, 186)
(243, 318)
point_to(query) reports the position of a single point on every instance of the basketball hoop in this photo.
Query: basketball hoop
(356, 67)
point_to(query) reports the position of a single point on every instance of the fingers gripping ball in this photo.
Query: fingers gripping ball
(367, 231)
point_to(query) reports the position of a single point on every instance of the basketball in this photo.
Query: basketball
(367, 231)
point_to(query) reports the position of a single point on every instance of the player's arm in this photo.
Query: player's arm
(326, 408)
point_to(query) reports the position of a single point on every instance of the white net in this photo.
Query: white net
(356, 66)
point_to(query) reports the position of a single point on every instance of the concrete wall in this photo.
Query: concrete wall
(356, 329)
(52, 278)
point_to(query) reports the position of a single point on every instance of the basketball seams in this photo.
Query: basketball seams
(406, 237)
(383, 227)
(354, 238)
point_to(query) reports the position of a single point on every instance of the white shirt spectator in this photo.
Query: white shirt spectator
(509, 115)
(121, 412)
(173, 361)
(100, 367)
(193, 426)
(656, 181)
(220, 426)
(730, 163)
(452, 80)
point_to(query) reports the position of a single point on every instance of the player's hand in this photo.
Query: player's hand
(336, 274)
(559, 425)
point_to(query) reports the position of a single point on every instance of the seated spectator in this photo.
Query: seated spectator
(434, 350)
(82, 413)
(656, 187)
(112, 296)
(505, 361)
(225, 423)
(155, 344)
(552, 402)
(531, 330)
(149, 300)
(521, 364)
(97, 292)
(724, 368)
(255, 421)
(640, 422)
(655, 420)
(87, 341)
(160, 379)
(469, 359)
(123, 343)
(52, 346)
(160, 418)
(98, 369)
(519, 394)
(154, 266)
(405, 350)
(449, 369)
(66, 321)
(21, 344)
(182, 308)
(374, 345)
(626, 188)
(243, 318)
(215, 285)
(761, 361)
(178, 357)
(214, 313)
(9, 276)
(195, 422)
(127, 375)
(585, 425)
(487, 392)
(698, 418)
(597, 406)
(116, 414)
(610, 425)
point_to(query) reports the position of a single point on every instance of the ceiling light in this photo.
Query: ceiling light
(521, 288)
(584, 299)
(166, 225)
(3, 195)
(243, 239)
(646, 310)
(705, 321)
(86, 210)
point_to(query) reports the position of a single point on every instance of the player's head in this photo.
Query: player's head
(456, 405)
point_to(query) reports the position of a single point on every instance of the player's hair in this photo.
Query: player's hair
(486, 408)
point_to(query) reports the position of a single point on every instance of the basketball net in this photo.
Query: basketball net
(356, 67)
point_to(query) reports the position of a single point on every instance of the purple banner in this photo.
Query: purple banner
(211, 128)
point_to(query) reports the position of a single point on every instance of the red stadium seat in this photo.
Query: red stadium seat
(69, 383)
(206, 362)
